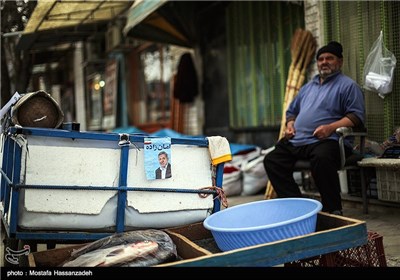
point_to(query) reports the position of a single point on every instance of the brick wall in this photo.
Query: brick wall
(314, 23)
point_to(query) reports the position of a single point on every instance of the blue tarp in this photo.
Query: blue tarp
(166, 132)
(240, 148)
(129, 130)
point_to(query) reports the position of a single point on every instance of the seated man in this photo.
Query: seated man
(329, 101)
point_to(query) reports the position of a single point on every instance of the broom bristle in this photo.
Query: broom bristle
(295, 41)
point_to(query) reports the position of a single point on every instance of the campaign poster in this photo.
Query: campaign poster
(157, 158)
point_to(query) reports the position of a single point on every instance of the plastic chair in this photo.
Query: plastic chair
(349, 162)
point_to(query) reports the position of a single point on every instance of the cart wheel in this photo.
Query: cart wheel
(10, 245)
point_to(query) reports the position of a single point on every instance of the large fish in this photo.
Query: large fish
(113, 256)
(165, 252)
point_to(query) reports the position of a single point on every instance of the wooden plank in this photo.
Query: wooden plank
(194, 231)
(287, 250)
(52, 257)
(333, 233)
(186, 249)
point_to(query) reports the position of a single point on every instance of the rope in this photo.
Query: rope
(220, 194)
(5, 177)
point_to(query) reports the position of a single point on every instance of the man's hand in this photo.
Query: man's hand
(323, 131)
(290, 131)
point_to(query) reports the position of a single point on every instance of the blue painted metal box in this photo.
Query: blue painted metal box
(60, 185)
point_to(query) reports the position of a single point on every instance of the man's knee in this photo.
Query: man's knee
(268, 161)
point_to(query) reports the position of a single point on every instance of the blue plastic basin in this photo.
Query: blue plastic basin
(262, 222)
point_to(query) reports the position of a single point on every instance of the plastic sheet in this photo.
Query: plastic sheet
(137, 248)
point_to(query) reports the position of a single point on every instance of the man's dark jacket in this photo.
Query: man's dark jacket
(167, 174)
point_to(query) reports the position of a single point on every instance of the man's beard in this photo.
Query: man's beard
(326, 73)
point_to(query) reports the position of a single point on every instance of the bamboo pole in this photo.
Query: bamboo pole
(301, 53)
(303, 48)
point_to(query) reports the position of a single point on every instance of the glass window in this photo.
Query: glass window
(154, 92)
(95, 84)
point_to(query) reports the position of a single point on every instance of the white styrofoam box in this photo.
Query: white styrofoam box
(81, 162)
(191, 169)
(96, 163)
(106, 219)
(69, 162)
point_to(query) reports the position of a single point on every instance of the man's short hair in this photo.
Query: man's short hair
(163, 153)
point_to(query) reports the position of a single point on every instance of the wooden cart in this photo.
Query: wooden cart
(196, 247)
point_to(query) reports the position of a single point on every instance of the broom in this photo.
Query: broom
(303, 48)
(299, 74)
(298, 66)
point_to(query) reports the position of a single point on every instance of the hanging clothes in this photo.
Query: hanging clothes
(186, 83)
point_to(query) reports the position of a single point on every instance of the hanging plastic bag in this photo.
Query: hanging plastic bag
(379, 68)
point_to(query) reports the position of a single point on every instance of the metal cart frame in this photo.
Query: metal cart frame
(10, 186)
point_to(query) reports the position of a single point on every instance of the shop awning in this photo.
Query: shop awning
(57, 21)
(145, 20)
